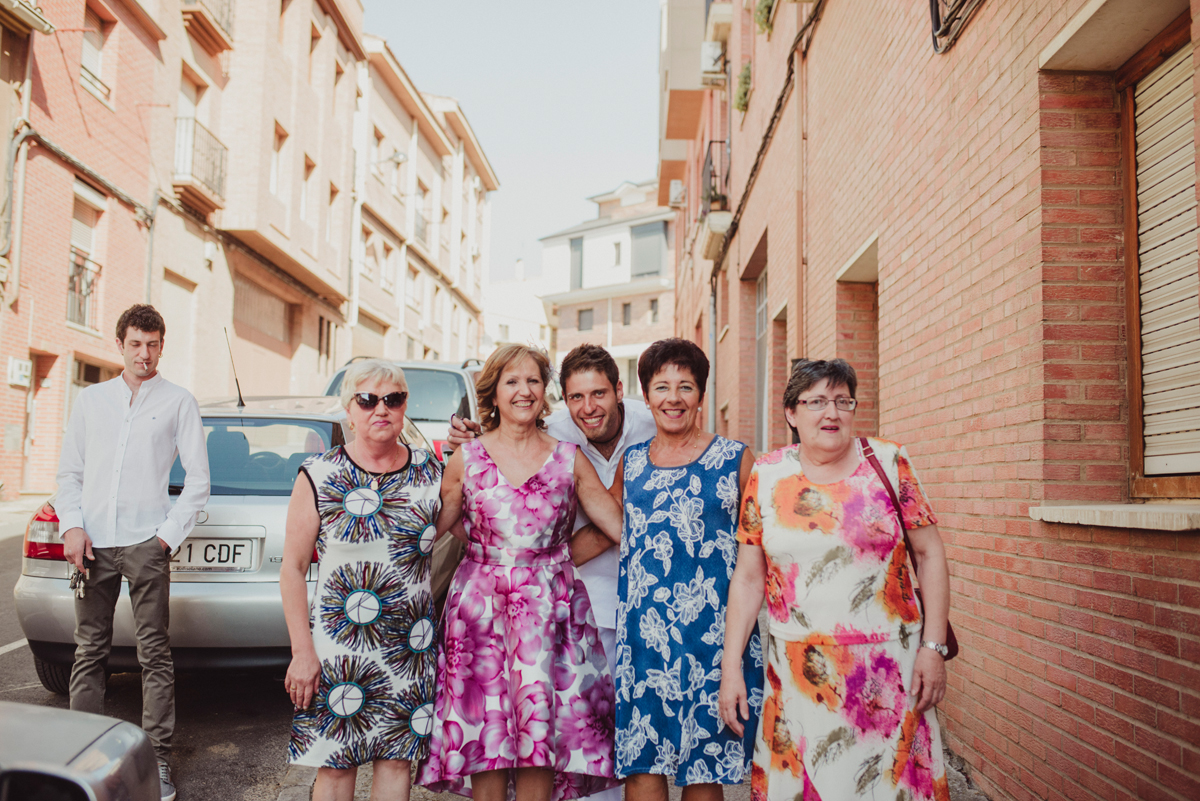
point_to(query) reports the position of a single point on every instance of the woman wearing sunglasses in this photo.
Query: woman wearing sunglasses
(363, 656)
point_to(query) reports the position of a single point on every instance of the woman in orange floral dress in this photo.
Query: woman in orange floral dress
(855, 666)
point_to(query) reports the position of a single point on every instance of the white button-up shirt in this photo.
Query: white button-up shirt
(600, 574)
(116, 462)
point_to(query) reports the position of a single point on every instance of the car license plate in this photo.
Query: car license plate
(213, 556)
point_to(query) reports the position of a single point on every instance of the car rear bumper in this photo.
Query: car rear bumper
(124, 658)
(231, 617)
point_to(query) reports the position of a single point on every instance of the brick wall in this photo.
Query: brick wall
(858, 343)
(994, 191)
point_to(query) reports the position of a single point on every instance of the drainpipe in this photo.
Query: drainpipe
(150, 244)
(712, 346)
(15, 204)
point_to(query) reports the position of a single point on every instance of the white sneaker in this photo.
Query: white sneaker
(164, 779)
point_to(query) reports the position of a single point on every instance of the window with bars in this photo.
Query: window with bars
(83, 272)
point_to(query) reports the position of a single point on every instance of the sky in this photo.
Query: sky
(562, 94)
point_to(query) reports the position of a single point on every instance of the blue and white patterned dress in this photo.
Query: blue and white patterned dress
(372, 617)
(678, 551)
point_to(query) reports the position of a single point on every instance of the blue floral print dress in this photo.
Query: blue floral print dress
(372, 616)
(678, 551)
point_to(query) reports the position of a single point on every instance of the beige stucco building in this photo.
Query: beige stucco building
(421, 224)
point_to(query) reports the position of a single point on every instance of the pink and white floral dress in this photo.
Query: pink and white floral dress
(522, 679)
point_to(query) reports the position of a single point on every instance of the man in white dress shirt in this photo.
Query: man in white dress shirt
(115, 511)
(603, 423)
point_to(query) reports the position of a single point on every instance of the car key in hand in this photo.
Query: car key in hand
(79, 577)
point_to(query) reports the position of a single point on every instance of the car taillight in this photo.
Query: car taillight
(315, 557)
(442, 449)
(41, 537)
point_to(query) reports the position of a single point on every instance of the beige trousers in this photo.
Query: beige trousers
(147, 566)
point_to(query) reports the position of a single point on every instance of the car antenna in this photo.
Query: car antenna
(241, 403)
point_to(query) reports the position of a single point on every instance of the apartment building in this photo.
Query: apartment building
(223, 160)
(611, 281)
(422, 220)
(79, 227)
(990, 209)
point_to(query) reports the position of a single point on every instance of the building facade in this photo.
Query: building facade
(996, 223)
(220, 159)
(611, 281)
(515, 314)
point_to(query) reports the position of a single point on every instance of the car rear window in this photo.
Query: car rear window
(433, 395)
(253, 456)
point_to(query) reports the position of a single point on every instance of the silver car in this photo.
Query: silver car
(436, 390)
(48, 753)
(226, 610)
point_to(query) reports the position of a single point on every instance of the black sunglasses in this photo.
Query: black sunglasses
(369, 400)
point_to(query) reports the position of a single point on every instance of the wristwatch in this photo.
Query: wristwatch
(936, 646)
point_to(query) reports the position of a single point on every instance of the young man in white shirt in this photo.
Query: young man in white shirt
(115, 512)
(603, 423)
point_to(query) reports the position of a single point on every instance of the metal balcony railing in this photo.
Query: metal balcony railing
(714, 180)
(83, 275)
(200, 155)
(221, 11)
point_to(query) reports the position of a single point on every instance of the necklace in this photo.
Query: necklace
(376, 476)
(691, 447)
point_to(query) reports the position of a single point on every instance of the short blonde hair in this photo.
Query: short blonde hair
(369, 370)
(489, 379)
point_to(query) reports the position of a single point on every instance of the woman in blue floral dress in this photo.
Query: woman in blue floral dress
(681, 493)
(364, 651)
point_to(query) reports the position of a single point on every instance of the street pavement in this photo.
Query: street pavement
(231, 729)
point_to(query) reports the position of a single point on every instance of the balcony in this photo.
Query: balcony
(199, 166)
(714, 180)
(210, 23)
(82, 277)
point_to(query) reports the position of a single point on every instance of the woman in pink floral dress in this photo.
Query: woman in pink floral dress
(525, 699)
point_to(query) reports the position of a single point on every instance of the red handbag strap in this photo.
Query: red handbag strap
(887, 484)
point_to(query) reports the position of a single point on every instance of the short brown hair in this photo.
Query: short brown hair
(586, 358)
(143, 317)
(809, 372)
(682, 353)
(489, 379)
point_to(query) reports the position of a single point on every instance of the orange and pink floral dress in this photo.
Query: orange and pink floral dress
(845, 629)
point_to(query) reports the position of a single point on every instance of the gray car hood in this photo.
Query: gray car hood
(49, 736)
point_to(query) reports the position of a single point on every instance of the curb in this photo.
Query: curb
(297, 783)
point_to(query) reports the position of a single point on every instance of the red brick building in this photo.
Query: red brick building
(1002, 237)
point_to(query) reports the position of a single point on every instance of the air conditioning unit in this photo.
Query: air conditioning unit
(712, 63)
(677, 196)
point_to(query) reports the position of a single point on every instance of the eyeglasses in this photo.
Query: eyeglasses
(369, 400)
(817, 404)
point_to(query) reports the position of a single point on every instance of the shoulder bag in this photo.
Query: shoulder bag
(951, 640)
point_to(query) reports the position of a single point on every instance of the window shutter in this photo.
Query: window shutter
(259, 309)
(93, 42)
(83, 226)
(649, 249)
(1164, 103)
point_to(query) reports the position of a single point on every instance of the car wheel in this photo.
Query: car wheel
(54, 677)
